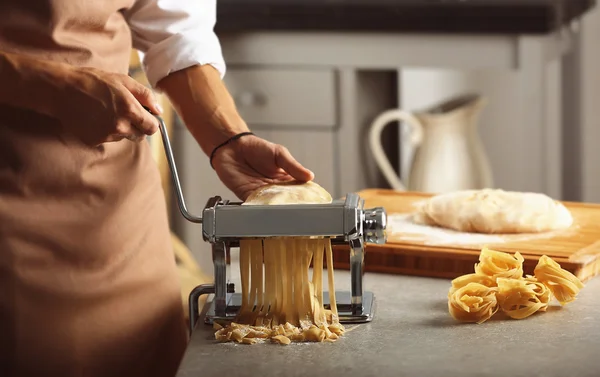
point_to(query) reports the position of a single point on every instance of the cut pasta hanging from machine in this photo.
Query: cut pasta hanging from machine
(277, 244)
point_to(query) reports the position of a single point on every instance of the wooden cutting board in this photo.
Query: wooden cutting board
(412, 250)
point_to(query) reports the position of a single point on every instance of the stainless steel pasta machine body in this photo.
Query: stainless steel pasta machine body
(225, 223)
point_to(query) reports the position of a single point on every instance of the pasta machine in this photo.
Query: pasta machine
(225, 222)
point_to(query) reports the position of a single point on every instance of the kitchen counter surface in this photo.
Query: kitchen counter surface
(412, 334)
(417, 16)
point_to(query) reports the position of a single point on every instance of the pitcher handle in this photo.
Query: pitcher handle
(382, 161)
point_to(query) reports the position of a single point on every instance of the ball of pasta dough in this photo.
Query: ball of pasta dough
(494, 211)
(289, 193)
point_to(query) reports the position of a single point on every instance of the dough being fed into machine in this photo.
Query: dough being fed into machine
(494, 211)
(280, 301)
(289, 193)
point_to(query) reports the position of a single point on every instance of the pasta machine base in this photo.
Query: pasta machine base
(346, 313)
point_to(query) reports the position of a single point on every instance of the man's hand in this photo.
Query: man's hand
(102, 107)
(208, 110)
(93, 105)
(251, 162)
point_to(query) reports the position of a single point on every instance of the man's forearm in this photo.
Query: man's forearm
(202, 101)
(29, 83)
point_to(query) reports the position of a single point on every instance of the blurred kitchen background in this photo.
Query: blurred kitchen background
(315, 75)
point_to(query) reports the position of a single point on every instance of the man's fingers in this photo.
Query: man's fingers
(141, 119)
(135, 137)
(285, 160)
(143, 94)
(127, 130)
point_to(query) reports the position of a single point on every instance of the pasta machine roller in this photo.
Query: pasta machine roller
(225, 222)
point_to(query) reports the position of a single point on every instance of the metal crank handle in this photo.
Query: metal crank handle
(194, 310)
(195, 294)
(171, 160)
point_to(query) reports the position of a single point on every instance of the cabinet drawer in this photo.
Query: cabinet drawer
(284, 97)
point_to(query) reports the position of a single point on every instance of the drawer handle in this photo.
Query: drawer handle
(250, 99)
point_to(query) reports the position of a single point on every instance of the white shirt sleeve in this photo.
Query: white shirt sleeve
(175, 34)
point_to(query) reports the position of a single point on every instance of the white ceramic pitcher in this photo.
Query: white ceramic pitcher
(448, 152)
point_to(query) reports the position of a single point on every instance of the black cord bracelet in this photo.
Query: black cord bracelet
(233, 138)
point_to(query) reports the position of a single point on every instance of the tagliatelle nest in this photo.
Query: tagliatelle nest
(498, 284)
(462, 281)
(473, 303)
(520, 298)
(564, 285)
(497, 264)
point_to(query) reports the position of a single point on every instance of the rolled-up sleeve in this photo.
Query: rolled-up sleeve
(172, 35)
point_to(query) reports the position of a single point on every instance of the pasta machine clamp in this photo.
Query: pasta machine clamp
(224, 223)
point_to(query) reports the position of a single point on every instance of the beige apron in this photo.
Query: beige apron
(88, 282)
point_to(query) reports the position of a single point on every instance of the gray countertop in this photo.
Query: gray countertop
(412, 334)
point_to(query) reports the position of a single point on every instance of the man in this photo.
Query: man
(88, 284)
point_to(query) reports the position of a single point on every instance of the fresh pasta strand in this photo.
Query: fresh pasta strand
(294, 301)
(285, 292)
(276, 309)
(256, 280)
(317, 281)
(245, 274)
(307, 311)
(270, 294)
(331, 282)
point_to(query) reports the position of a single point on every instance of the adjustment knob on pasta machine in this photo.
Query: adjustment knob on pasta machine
(225, 223)
(375, 225)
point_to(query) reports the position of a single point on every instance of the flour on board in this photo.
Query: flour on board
(401, 228)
